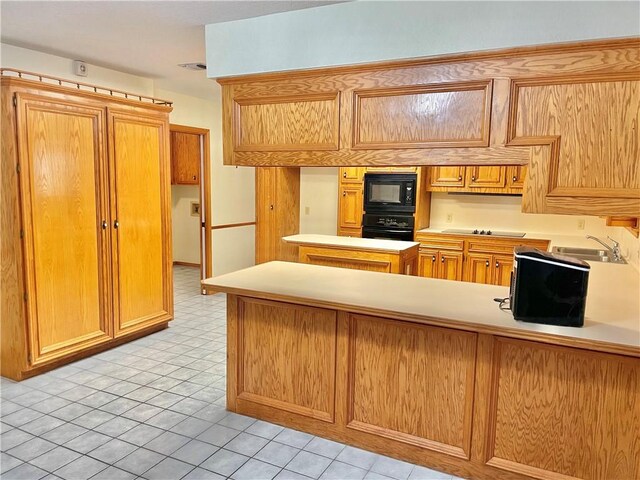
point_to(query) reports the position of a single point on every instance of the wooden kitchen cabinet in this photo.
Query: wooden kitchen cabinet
(277, 212)
(63, 178)
(350, 207)
(472, 258)
(486, 177)
(446, 265)
(446, 176)
(497, 108)
(185, 158)
(140, 220)
(86, 176)
(477, 179)
(477, 268)
(352, 174)
(515, 176)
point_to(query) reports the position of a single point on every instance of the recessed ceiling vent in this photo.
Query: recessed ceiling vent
(193, 66)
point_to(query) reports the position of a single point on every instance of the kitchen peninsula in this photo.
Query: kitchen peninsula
(433, 372)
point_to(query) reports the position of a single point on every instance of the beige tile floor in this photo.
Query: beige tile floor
(154, 409)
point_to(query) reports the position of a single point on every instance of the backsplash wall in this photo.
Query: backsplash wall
(501, 212)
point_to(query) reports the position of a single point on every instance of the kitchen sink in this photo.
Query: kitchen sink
(588, 254)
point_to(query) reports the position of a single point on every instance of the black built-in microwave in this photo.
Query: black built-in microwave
(390, 192)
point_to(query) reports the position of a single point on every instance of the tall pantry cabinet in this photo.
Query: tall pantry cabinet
(86, 240)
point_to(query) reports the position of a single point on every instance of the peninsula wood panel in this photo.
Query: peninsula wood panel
(62, 151)
(404, 262)
(591, 127)
(536, 427)
(386, 357)
(305, 122)
(143, 292)
(423, 116)
(287, 357)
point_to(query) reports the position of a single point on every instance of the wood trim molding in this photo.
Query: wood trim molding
(482, 141)
(545, 49)
(231, 225)
(238, 103)
(186, 264)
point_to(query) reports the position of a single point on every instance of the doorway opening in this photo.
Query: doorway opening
(191, 198)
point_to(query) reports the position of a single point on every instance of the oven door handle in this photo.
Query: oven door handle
(386, 230)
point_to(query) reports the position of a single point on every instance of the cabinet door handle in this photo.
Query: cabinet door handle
(497, 264)
(442, 259)
(433, 258)
(104, 224)
(473, 178)
(344, 194)
(514, 179)
(459, 178)
(116, 224)
(487, 263)
(194, 177)
(344, 174)
(270, 207)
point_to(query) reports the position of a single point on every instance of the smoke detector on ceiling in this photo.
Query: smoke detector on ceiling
(193, 66)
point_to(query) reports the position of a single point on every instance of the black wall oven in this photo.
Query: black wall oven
(390, 192)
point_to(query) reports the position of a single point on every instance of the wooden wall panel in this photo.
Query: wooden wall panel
(535, 428)
(286, 357)
(442, 115)
(385, 397)
(308, 122)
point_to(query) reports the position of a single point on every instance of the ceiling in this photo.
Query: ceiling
(146, 38)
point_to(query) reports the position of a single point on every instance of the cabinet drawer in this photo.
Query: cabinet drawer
(491, 247)
(440, 242)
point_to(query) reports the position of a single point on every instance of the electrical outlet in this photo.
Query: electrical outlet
(307, 210)
(581, 224)
(449, 217)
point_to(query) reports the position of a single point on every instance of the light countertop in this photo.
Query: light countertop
(612, 320)
(350, 242)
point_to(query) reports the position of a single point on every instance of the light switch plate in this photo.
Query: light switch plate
(195, 209)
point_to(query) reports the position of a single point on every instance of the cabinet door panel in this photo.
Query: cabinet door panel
(185, 158)
(446, 176)
(142, 259)
(352, 174)
(428, 263)
(503, 266)
(516, 175)
(478, 268)
(62, 157)
(450, 267)
(486, 177)
(350, 207)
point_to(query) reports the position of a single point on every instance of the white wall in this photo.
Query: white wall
(185, 227)
(368, 31)
(38, 62)
(232, 188)
(319, 200)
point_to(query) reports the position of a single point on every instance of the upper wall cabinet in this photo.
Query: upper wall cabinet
(569, 111)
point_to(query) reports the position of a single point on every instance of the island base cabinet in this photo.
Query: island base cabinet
(467, 403)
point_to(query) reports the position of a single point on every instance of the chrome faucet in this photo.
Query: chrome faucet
(615, 250)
